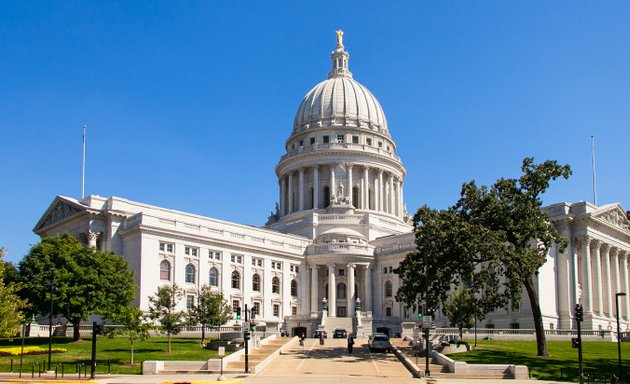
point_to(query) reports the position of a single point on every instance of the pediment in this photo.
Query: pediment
(60, 209)
(614, 216)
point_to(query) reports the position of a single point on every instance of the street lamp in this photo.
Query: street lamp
(325, 303)
(358, 306)
(617, 295)
(50, 322)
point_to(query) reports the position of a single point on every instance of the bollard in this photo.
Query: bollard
(32, 371)
(79, 369)
(11, 370)
(142, 367)
(56, 369)
(62, 371)
(39, 370)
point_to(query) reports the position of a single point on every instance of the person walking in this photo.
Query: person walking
(302, 340)
(350, 343)
(321, 338)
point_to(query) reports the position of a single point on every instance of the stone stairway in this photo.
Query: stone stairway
(333, 323)
(406, 347)
(257, 355)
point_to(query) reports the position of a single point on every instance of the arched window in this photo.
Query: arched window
(388, 288)
(256, 282)
(355, 197)
(341, 291)
(190, 274)
(275, 285)
(165, 270)
(326, 196)
(236, 280)
(214, 277)
(293, 288)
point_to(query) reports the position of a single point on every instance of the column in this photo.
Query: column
(281, 212)
(92, 237)
(314, 288)
(332, 291)
(626, 284)
(333, 185)
(588, 285)
(562, 281)
(367, 300)
(573, 244)
(606, 281)
(399, 206)
(349, 168)
(351, 293)
(366, 188)
(315, 186)
(616, 284)
(597, 277)
(283, 196)
(392, 195)
(380, 190)
(290, 195)
(301, 189)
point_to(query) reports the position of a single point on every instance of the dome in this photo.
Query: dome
(340, 100)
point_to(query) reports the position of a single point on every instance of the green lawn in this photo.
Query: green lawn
(600, 358)
(114, 351)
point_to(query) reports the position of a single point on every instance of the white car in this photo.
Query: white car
(379, 341)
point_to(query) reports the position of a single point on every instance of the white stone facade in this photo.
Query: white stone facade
(339, 230)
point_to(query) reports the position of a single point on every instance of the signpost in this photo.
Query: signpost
(221, 355)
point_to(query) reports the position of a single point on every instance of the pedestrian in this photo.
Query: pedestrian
(350, 343)
(321, 338)
(302, 340)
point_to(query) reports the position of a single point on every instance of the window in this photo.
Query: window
(190, 301)
(214, 255)
(388, 311)
(256, 309)
(355, 139)
(256, 282)
(300, 143)
(295, 268)
(326, 139)
(236, 280)
(190, 251)
(341, 138)
(390, 269)
(214, 277)
(167, 247)
(294, 310)
(388, 288)
(275, 285)
(342, 272)
(341, 291)
(257, 262)
(384, 270)
(190, 274)
(238, 259)
(312, 140)
(276, 310)
(326, 196)
(368, 141)
(276, 265)
(293, 288)
(165, 270)
(235, 305)
(380, 144)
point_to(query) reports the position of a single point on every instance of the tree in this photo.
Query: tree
(497, 238)
(162, 309)
(461, 309)
(86, 281)
(11, 305)
(133, 325)
(211, 310)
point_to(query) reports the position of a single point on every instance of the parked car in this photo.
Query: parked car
(340, 333)
(379, 342)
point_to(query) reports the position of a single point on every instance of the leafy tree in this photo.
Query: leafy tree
(11, 305)
(461, 309)
(212, 310)
(133, 325)
(495, 238)
(162, 309)
(86, 280)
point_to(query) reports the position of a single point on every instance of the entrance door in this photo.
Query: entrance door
(341, 312)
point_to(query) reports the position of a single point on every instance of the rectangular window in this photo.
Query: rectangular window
(238, 259)
(341, 138)
(214, 255)
(256, 309)
(294, 310)
(380, 144)
(368, 141)
(300, 143)
(257, 262)
(190, 301)
(388, 311)
(342, 272)
(235, 305)
(190, 251)
(167, 247)
(276, 265)
(355, 139)
(312, 140)
(276, 310)
(295, 268)
(391, 269)
(384, 270)
(326, 139)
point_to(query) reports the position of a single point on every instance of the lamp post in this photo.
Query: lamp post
(50, 322)
(358, 306)
(325, 304)
(617, 295)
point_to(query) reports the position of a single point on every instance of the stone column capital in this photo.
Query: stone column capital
(349, 165)
(353, 266)
(380, 172)
(366, 167)
(331, 266)
(301, 169)
(604, 247)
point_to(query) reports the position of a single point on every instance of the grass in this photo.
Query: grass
(599, 358)
(109, 351)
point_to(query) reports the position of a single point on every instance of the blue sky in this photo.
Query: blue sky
(188, 104)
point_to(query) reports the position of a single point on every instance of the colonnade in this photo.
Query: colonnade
(596, 271)
(351, 295)
(304, 188)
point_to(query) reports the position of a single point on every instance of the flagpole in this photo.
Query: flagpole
(83, 165)
(593, 166)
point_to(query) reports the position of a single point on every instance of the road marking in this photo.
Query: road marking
(371, 358)
(305, 357)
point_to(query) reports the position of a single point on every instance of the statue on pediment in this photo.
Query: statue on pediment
(615, 218)
(59, 212)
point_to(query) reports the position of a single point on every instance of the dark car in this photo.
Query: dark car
(340, 333)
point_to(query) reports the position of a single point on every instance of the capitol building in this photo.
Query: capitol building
(340, 228)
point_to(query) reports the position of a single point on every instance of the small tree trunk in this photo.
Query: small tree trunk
(131, 362)
(76, 332)
(169, 342)
(203, 334)
(541, 340)
(461, 333)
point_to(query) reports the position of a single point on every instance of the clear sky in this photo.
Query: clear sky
(188, 104)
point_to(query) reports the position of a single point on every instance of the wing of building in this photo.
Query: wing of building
(339, 230)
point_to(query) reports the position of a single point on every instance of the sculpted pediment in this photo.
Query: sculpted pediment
(616, 217)
(58, 211)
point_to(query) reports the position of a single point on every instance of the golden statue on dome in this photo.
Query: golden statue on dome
(339, 33)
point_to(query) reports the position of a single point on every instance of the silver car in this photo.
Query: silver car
(380, 342)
